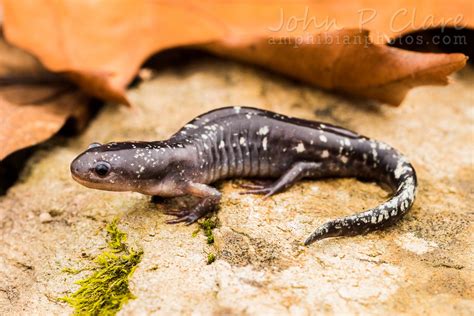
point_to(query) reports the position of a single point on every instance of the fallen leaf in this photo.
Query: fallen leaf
(104, 54)
(34, 103)
(343, 65)
(25, 125)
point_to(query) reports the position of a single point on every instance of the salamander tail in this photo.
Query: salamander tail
(379, 217)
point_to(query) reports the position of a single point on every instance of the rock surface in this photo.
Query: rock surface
(422, 265)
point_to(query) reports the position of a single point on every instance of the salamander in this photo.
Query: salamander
(244, 142)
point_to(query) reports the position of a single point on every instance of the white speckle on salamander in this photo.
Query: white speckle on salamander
(264, 143)
(190, 126)
(401, 167)
(222, 144)
(374, 153)
(323, 138)
(263, 130)
(344, 159)
(325, 154)
(237, 109)
(399, 170)
(211, 127)
(299, 148)
(242, 141)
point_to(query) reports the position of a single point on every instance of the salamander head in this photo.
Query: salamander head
(120, 167)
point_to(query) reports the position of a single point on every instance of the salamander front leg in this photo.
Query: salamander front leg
(297, 171)
(210, 199)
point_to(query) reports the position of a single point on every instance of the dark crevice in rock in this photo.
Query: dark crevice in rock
(446, 40)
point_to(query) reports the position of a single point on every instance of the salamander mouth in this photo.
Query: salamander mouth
(101, 185)
(81, 181)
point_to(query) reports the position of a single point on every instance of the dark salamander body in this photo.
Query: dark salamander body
(246, 142)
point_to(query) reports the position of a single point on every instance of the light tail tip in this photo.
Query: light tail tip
(317, 235)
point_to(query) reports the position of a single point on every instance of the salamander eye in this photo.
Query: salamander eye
(102, 169)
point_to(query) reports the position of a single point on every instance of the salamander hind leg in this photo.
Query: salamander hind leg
(210, 200)
(297, 171)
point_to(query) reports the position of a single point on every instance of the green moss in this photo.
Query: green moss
(106, 290)
(196, 232)
(207, 226)
(116, 238)
(211, 258)
(71, 270)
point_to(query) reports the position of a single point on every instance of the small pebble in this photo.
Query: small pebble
(145, 74)
(45, 217)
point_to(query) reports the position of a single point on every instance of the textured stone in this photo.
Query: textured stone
(45, 217)
(422, 265)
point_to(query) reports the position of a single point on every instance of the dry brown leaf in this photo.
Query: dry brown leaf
(104, 53)
(34, 104)
(22, 126)
(344, 65)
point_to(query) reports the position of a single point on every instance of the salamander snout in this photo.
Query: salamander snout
(98, 170)
(78, 168)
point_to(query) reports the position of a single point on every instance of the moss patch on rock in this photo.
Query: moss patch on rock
(211, 257)
(207, 226)
(106, 290)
